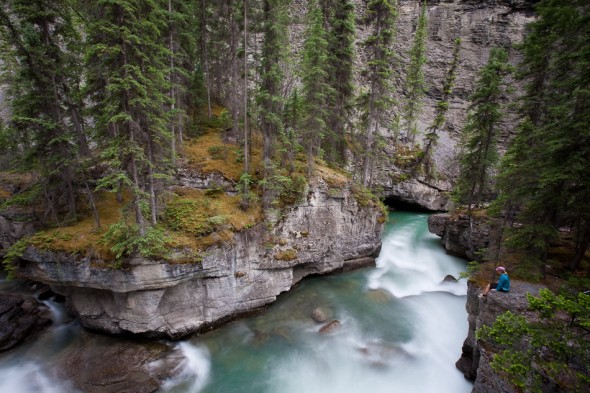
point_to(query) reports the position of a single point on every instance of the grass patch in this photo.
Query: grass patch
(208, 153)
(197, 221)
(334, 177)
(82, 237)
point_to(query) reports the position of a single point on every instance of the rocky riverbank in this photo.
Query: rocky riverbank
(461, 236)
(326, 232)
(483, 310)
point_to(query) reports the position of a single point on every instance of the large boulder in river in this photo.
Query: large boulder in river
(21, 317)
(102, 364)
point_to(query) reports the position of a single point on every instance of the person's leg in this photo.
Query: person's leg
(486, 289)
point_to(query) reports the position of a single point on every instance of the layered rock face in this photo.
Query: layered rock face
(475, 359)
(481, 25)
(461, 236)
(323, 234)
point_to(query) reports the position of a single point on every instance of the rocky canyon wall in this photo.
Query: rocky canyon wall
(481, 25)
(322, 234)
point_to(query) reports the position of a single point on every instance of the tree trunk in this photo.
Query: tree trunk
(581, 246)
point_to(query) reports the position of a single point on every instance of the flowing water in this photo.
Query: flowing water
(401, 330)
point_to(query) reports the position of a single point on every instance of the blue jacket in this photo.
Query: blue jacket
(503, 283)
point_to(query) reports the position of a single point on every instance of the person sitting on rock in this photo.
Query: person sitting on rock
(503, 284)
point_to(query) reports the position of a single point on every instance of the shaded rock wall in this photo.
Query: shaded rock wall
(153, 298)
(475, 359)
(21, 317)
(459, 235)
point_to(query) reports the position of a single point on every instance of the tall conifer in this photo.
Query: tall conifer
(479, 154)
(377, 101)
(128, 62)
(415, 83)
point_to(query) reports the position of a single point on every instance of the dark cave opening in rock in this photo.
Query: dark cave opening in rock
(396, 203)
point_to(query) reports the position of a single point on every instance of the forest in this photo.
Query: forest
(108, 97)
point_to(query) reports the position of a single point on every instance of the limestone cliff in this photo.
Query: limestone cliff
(481, 25)
(475, 359)
(322, 234)
(461, 236)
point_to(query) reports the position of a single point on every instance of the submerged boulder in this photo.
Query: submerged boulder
(319, 315)
(330, 327)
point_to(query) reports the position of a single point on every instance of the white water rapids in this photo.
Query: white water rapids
(401, 330)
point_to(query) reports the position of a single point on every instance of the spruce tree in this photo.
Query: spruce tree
(415, 83)
(46, 123)
(377, 100)
(479, 155)
(269, 95)
(545, 173)
(128, 68)
(442, 106)
(316, 90)
(340, 37)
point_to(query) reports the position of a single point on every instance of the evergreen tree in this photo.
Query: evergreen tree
(442, 106)
(415, 83)
(128, 69)
(184, 73)
(545, 173)
(46, 124)
(316, 89)
(269, 95)
(340, 68)
(478, 154)
(377, 101)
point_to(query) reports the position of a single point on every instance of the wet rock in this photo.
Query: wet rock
(319, 315)
(21, 317)
(382, 355)
(380, 296)
(330, 327)
(449, 278)
(459, 236)
(99, 365)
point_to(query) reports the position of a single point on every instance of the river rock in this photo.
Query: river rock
(330, 327)
(102, 365)
(319, 315)
(449, 278)
(21, 318)
(153, 298)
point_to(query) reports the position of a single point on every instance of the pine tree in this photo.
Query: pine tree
(377, 101)
(415, 83)
(478, 154)
(442, 106)
(269, 95)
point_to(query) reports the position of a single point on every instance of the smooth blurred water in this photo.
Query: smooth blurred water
(401, 331)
